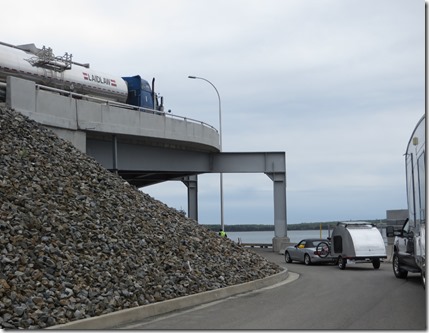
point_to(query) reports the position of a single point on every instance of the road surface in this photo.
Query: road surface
(319, 297)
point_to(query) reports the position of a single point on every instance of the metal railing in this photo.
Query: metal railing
(123, 105)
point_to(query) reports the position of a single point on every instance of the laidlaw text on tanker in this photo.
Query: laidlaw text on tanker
(99, 79)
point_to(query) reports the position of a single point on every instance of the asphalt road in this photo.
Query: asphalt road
(315, 297)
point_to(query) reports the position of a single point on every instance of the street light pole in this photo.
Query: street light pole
(220, 144)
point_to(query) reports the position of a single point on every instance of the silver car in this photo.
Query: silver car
(309, 251)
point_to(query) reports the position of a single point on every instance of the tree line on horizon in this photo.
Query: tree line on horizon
(270, 227)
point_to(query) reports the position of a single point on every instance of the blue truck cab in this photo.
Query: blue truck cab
(140, 93)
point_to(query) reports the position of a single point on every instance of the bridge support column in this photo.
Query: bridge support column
(191, 183)
(115, 154)
(280, 221)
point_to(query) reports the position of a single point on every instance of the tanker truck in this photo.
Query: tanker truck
(43, 67)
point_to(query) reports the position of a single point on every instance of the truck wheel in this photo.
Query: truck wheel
(376, 263)
(399, 273)
(342, 262)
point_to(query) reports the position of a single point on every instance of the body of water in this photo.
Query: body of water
(295, 236)
(267, 236)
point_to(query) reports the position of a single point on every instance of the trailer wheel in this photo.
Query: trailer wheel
(342, 262)
(399, 273)
(376, 263)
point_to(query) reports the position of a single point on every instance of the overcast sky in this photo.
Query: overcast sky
(337, 85)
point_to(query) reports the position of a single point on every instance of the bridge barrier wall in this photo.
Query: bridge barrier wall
(71, 118)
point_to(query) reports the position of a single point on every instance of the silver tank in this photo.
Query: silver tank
(43, 67)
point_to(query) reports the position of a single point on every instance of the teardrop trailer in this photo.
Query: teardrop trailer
(354, 242)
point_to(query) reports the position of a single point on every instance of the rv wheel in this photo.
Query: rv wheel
(376, 263)
(342, 262)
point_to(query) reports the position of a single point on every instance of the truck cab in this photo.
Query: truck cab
(409, 251)
(141, 94)
(405, 247)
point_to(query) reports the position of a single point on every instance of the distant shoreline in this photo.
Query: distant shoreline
(270, 227)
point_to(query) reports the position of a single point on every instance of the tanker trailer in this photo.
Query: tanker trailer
(61, 72)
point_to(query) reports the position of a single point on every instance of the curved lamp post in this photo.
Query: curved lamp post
(220, 144)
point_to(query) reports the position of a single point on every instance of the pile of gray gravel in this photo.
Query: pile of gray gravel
(76, 241)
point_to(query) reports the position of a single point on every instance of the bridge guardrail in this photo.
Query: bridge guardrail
(123, 105)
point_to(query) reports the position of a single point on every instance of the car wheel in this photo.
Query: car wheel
(342, 262)
(376, 263)
(307, 259)
(424, 278)
(399, 273)
(287, 257)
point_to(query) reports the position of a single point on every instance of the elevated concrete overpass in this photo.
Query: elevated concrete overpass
(147, 147)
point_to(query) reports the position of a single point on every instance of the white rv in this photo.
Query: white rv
(409, 250)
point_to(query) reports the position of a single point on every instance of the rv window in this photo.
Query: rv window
(409, 165)
(338, 244)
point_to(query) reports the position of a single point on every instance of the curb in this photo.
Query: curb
(127, 316)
